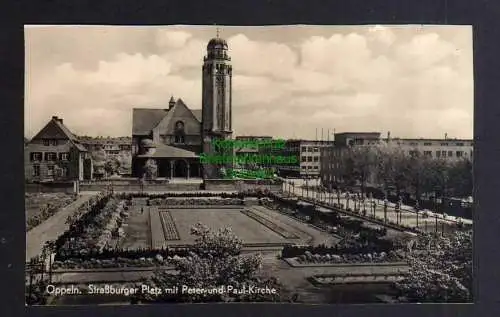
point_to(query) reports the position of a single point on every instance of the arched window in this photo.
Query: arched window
(180, 135)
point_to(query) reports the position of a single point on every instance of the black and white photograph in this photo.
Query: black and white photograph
(286, 164)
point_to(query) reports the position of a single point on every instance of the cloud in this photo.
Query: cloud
(376, 79)
(172, 39)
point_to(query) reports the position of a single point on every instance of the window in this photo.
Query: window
(460, 144)
(444, 144)
(179, 139)
(438, 153)
(427, 143)
(459, 153)
(413, 144)
(36, 170)
(315, 149)
(443, 153)
(50, 170)
(64, 156)
(304, 149)
(46, 142)
(427, 153)
(309, 167)
(304, 159)
(413, 153)
(450, 153)
(35, 156)
(316, 158)
(309, 159)
(63, 172)
(53, 142)
(303, 167)
(316, 167)
(50, 156)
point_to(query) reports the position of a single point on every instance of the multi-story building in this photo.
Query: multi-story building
(448, 149)
(242, 151)
(307, 153)
(331, 156)
(55, 154)
(113, 147)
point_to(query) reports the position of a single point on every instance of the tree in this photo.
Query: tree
(150, 169)
(215, 261)
(460, 181)
(99, 161)
(111, 166)
(359, 163)
(440, 269)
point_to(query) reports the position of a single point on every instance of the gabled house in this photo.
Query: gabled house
(55, 154)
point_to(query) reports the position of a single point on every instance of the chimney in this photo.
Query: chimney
(388, 135)
(55, 118)
(446, 136)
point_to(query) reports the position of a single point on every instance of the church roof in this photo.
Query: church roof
(145, 120)
(197, 114)
(168, 151)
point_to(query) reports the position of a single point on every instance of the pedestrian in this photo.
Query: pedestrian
(142, 210)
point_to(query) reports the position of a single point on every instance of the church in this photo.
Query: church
(167, 143)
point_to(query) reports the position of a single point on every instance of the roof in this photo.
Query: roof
(197, 113)
(168, 151)
(144, 120)
(59, 130)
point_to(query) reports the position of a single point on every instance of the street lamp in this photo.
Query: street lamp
(385, 209)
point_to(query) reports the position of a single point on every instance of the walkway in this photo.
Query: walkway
(53, 227)
(407, 217)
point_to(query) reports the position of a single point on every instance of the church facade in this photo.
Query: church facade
(167, 143)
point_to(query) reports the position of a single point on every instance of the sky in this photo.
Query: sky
(288, 81)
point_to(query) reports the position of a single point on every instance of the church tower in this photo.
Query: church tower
(216, 103)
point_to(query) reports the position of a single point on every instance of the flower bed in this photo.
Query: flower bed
(191, 202)
(91, 231)
(271, 225)
(296, 251)
(382, 257)
(119, 262)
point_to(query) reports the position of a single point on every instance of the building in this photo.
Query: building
(448, 149)
(307, 162)
(166, 143)
(55, 154)
(331, 156)
(113, 147)
(243, 151)
(118, 149)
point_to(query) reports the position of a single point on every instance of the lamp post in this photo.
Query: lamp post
(417, 206)
(385, 209)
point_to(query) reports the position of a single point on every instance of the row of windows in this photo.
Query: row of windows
(310, 149)
(443, 153)
(50, 142)
(310, 159)
(51, 171)
(49, 156)
(442, 144)
(310, 167)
